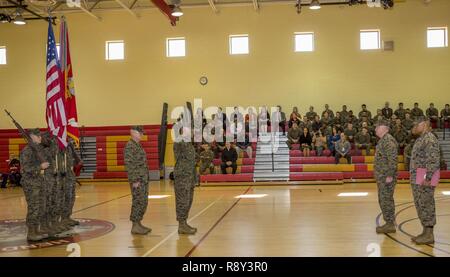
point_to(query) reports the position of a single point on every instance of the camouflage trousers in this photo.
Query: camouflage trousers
(184, 195)
(386, 198)
(204, 166)
(68, 198)
(139, 202)
(35, 196)
(425, 205)
(54, 199)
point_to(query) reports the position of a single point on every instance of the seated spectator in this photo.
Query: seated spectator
(387, 111)
(408, 122)
(229, 158)
(433, 114)
(327, 130)
(295, 113)
(294, 119)
(280, 117)
(344, 114)
(350, 132)
(305, 142)
(236, 115)
(306, 124)
(400, 112)
(445, 116)
(378, 117)
(328, 111)
(251, 123)
(398, 125)
(326, 119)
(338, 120)
(245, 145)
(400, 135)
(263, 120)
(311, 114)
(316, 125)
(364, 112)
(393, 121)
(13, 174)
(363, 140)
(351, 118)
(320, 142)
(220, 119)
(206, 160)
(333, 139)
(342, 150)
(416, 111)
(293, 136)
(218, 144)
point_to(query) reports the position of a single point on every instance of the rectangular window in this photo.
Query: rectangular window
(176, 47)
(370, 39)
(437, 37)
(238, 44)
(115, 50)
(2, 55)
(304, 42)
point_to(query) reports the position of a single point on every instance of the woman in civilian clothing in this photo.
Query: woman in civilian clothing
(305, 142)
(333, 139)
(295, 113)
(294, 119)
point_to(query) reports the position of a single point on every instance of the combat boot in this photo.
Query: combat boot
(67, 224)
(148, 230)
(73, 222)
(46, 228)
(59, 227)
(185, 229)
(32, 234)
(137, 230)
(413, 239)
(387, 228)
(193, 228)
(427, 237)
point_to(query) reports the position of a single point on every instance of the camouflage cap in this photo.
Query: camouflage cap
(138, 128)
(420, 119)
(383, 122)
(35, 132)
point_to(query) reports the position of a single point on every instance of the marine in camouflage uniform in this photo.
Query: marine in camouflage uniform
(185, 179)
(33, 187)
(138, 176)
(385, 170)
(206, 160)
(51, 221)
(69, 179)
(407, 153)
(425, 154)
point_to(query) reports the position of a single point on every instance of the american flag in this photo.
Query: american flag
(56, 115)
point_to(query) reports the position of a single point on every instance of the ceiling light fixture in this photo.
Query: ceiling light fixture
(315, 5)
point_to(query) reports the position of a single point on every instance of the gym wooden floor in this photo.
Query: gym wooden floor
(309, 220)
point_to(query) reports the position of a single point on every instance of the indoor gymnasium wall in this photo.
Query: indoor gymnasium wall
(132, 91)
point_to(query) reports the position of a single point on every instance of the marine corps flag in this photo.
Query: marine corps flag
(69, 88)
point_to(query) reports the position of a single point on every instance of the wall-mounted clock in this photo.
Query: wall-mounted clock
(203, 80)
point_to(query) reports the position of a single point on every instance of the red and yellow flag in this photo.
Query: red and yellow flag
(69, 88)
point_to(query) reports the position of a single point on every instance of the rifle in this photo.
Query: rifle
(27, 137)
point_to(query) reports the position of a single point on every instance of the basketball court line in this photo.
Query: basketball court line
(188, 254)
(101, 203)
(377, 223)
(176, 231)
